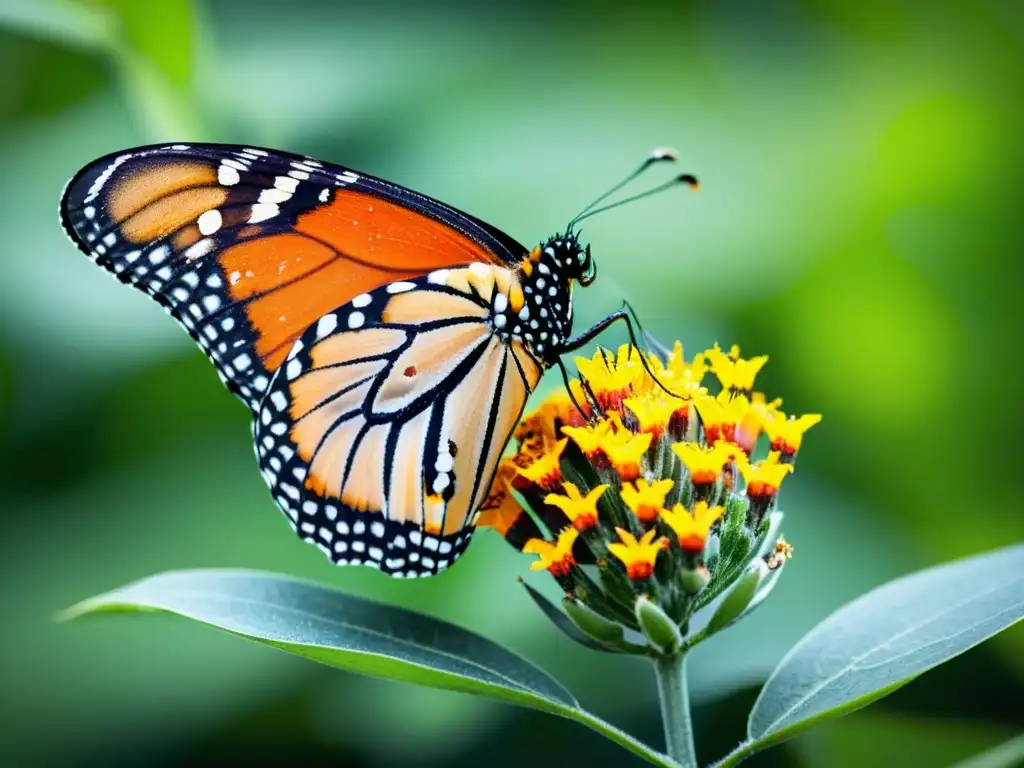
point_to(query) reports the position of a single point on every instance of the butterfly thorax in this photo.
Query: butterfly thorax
(546, 275)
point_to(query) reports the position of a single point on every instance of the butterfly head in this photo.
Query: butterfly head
(561, 260)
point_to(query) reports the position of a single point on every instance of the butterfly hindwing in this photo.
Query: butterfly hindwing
(247, 248)
(382, 429)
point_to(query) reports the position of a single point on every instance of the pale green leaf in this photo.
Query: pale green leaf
(355, 634)
(883, 640)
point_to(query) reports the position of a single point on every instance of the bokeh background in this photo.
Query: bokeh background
(860, 222)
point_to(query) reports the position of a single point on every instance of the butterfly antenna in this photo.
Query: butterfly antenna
(660, 155)
(687, 178)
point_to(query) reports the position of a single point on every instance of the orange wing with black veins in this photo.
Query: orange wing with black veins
(248, 247)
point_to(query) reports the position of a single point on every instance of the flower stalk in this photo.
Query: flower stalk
(674, 697)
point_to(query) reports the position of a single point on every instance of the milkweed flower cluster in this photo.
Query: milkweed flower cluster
(646, 497)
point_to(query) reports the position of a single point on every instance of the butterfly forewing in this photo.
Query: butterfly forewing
(381, 432)
(247, 248)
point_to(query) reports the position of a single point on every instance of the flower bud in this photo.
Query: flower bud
(593, 623)
(693, 580)
(739, 597)
(663, 633)
(765, 587)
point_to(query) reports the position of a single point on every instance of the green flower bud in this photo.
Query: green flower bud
(693, 580)
(593, 623)
(765, 588)
(662, 632)
(739, 597)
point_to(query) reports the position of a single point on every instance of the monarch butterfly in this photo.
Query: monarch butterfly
(384, 342)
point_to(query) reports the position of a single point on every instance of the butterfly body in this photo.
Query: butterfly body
(385, 343)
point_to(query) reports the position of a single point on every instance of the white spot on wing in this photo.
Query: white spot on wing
(274, 195)
(286, 184)
(228, 176)
(209, 221)
(326, 325)
(263, 211)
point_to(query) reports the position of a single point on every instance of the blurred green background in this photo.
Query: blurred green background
(860, 221)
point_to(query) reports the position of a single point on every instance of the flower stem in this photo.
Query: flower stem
(675, 709)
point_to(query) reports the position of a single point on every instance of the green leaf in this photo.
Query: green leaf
(883, 640)
(1006, 755)
(355, 634)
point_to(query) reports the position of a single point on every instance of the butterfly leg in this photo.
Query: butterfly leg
(651, 343)
(572, 397)
(575, 343)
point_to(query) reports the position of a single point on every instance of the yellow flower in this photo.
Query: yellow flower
(535, 424)
(611, 377)
(678, 376)
(500, 509)
(558, 408)
(764, 478)
(546, 471)
(536, 435)
(653, 410)
(692, 529)
(679, 372)
(735, 373)
(729, 417)
(581, 510)
(765, 408)
(677, 366)
(637, 556)
(554, 557)
(611, 440)
(590, 437)
(645, 499)
(704, 463)
(787, 434)
(624, 450)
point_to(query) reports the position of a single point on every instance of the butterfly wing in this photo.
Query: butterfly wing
(381, 432)
(248, 247)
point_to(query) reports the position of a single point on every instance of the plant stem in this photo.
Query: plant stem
(675, 709)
